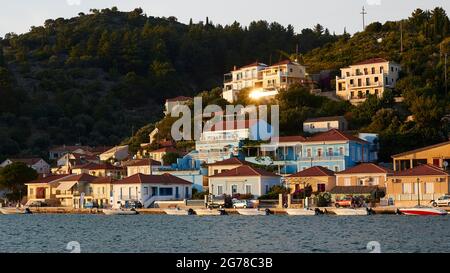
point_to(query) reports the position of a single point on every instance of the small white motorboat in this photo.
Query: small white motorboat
(208, 212)
(422, 210)
(120, 211)
(178, 211)
(251, 212)
(351, 211)
(302, 212)
(15, 211)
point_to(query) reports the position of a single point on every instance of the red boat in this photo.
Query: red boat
(422, 211)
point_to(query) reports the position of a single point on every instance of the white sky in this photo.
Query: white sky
(18, 15)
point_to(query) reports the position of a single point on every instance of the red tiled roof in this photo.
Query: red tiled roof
(422, 149)
(313, 171)
(252, 64)
(324, 119)
(366, 168)
(229, 161)
(284, 62)
(372, 61)
(289, 138)
(420, 170)
(145, 162)
(233, 125)
(165, 150)
(79, 178)
(333, 135)
(244, 170)
(140, 178)
(103, 180)
(179, 98)
(28, 161)
(48, 179)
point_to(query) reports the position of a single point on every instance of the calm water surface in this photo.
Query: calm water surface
(234, 233)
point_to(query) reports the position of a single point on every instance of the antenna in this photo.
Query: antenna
(363, 12)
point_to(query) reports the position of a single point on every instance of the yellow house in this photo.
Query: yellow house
(321, 179)
(41, 190)
(100, 170)
(73, 190)
(437, 155)
(224, 165)
(364, 174)
(159, 153)
(102, 191)
(424, 182)
(371, 76)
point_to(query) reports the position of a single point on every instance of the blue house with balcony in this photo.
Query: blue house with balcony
(334, 150)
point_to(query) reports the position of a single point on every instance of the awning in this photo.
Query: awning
(65, 186)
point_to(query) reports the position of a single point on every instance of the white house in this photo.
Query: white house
(323, 124)
(150, 188)
(243, 180)
(143, 166)
(118, 153)
(38, 164)
(171, 103)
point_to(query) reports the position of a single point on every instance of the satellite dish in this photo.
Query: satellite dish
(445, 164)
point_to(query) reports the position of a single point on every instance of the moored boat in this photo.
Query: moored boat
(15, 211)
(178, 211)
(208, 212)
(120, 212)
(302, 212)
(420, 210)
(251, 212)
(351, 211)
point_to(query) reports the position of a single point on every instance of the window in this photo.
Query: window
(267, 189)
(376, 181)
(366, 71)
(219, 190)
(31, 191)
(233, 189)
(216, 171)
(367, 81)
(336, 168)
(328, 125)
(248, 189)
(319, 152)
(347, 181)
(330, 151)
(145, 190)
(291, 70)
(352, 81)
(429, 187)
(373, 70)
(308, 152)
(320, 187)
(359, 82)
(375, 79)
(406, 188)
(165, 191)
(341, 150)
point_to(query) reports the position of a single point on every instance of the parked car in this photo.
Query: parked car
(90, 205)
(344, 202)
(37, 204)
(441, 201)
(133, 204)
(241, 203)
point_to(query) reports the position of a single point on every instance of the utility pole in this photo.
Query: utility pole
(363, 12)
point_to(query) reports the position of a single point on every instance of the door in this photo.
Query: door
(436, 162)
(154, 191)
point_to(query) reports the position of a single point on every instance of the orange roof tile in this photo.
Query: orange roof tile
(366, 168)
(313, 171)
(244, 170)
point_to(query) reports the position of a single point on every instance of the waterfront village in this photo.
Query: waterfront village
(325, 168)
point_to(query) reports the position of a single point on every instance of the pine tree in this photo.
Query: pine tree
(2, 59)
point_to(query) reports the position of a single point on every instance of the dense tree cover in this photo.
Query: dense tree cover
(92, 78)
(13, 178)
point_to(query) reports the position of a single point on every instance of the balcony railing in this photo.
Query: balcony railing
(323, 157)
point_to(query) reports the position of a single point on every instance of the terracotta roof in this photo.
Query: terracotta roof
(179, 98)
(366, 168)
(100, 149)
(422, 149)
(229, 161)
(333, 135)
(48, 179)
(313, 171)
(284, 62)
(232, 125)
(165, 150)
(28, 161)
(69, 148)
(145, 162)
(289, 139)
(79, 178)
(324, 119)
(140, 178)
(252, 64)
(103, 180)
(371, 61)
(97, 166)
(244, 170)
(354, 189)
(421, 170)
